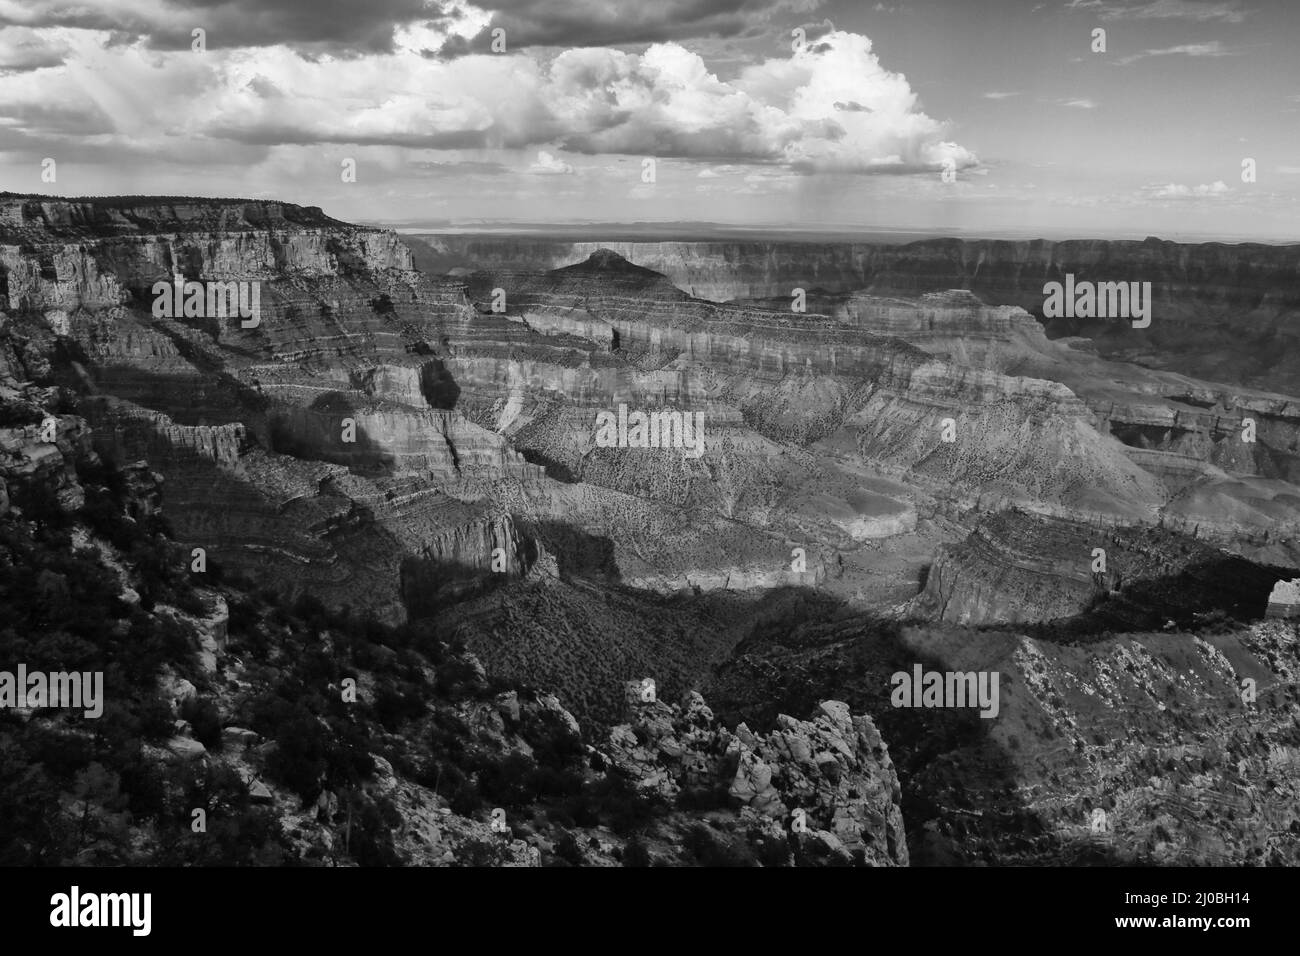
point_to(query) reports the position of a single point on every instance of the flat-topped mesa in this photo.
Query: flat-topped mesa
(100, 253)
(45, 218)
(1284, 601)
(952, 312)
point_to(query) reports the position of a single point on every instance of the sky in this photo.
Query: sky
(1106, 118)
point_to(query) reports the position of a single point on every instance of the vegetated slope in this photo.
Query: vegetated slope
(1155, 729)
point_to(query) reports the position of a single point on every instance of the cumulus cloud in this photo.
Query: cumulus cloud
(663, 102)
(888, 133)
(791, 110)
(339, 26)
(550, 165)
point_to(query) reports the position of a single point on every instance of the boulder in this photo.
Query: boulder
(508, 705)
(186, 748)
(175, 690)
(1284, 601)
(234, 737)
(259, 792)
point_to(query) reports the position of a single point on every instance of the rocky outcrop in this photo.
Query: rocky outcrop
(829, 778)
(1284, 600)
(39, 460)
(1184, 740)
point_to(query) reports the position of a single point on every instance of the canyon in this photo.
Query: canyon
(915, 468)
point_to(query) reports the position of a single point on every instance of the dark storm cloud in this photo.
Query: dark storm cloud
(37, 120)
(337, 26)
(28, 51)
(586, 23)
(54, 14)
(352, 27)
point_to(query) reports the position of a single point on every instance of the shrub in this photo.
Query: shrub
(206, 721)
(482, 853)
(567, 849)
(396, 705)
(773, 850)
(371, 838)
(506, 783)
(635, 853)
(710, 850)
(465, 799)
(300, 754)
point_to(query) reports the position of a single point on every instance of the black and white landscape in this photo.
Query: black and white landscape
(594, 433)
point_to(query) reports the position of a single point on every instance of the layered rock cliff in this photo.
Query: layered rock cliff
(1225, 312)
(1020, 568)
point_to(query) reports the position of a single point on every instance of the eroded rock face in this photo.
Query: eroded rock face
(786, 398)
(1193, 286)
(1021, 568)
(93, 255)
(372, 403)
(1284, 600)
(1204, 454)
(313, 448)
(831, 773)
(40, 460)
(1041, 420)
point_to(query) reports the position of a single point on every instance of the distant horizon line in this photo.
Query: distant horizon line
(678, 230)
(692, 230)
